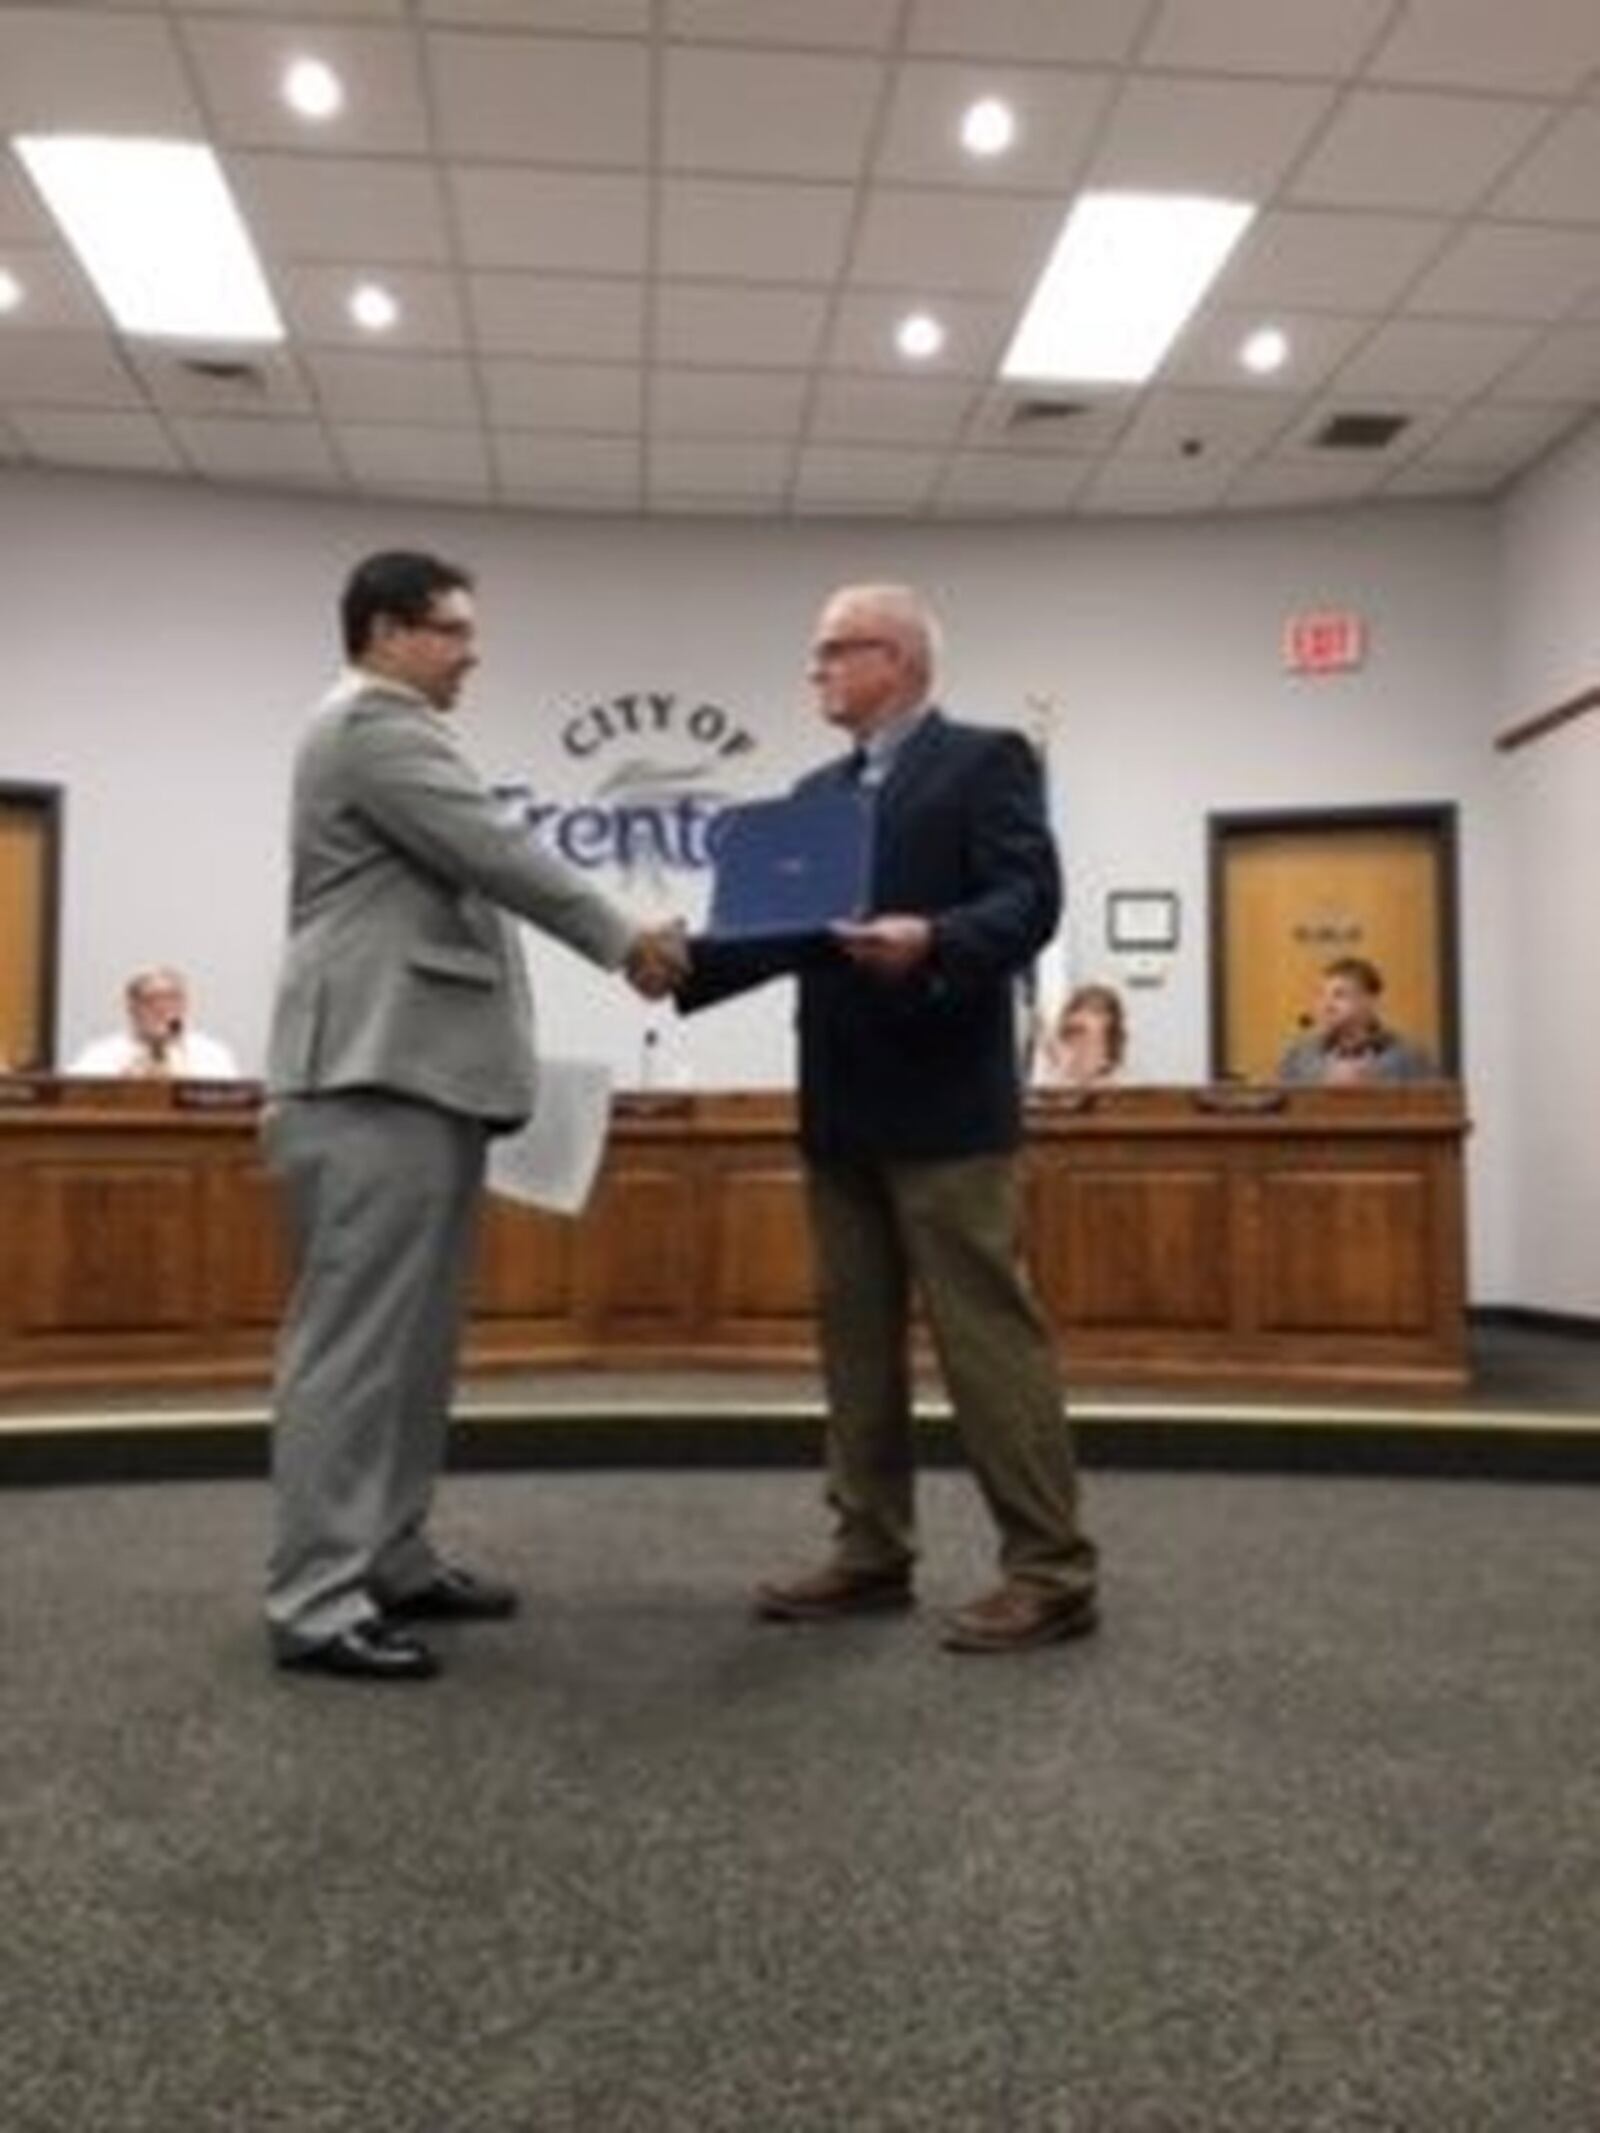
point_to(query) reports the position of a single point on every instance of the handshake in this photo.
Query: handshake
(657, 961)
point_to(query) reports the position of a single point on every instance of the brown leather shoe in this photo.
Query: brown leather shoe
(1017, 1616)
(833, 1591)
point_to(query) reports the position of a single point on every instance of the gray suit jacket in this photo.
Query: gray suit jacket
(400, 972)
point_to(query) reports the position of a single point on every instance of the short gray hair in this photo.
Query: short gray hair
(908, 611)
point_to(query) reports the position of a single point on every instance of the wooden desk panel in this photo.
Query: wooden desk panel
(1294, 1239)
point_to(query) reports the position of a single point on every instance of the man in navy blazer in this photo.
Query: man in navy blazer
(910, 1123)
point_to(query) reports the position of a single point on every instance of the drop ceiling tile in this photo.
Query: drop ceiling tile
(557, 99)
(55, 294)
(727, 403)
(341, 208)
(1424, 480)
(1237, 139)
(778, 232)
(308, 10)
(240, 65)
(1542, 47)
(1560, 181)
(832, 477)
(1007, 483)
(555, 316)
(233, 448)
(794, 115)
(1327, 38)
(66, 70)
(315, 304)
(90, 438)
(759, 504)
(1511, 271)
(23, 220)
(1390, 149)
(719, 467)
(1498, 436)
(1319, 261)
(976, 333)
(710, 322)
(564, 221)
(596, 18)
(564, 396)
(890, 410)
(534, 467)
(1278, 484)
(1564, 366)
(1208, 353)
(1085, 33)
(955, 241)
(1152, 486)
(1434, 356)
(404, 457)
(1208, 426)
(428, 391)
(1057, 112)
(65, 370)
(864, 25)
(269, 380)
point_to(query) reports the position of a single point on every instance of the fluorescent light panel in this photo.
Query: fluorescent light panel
(1126, 272)
(157, 232)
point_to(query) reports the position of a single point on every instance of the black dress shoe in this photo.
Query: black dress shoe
(366, 1651)
(453, 1595)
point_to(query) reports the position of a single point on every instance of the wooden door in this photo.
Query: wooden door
(29, 867)
(1290, 894)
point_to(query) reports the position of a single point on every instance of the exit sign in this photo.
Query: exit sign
(1328, 642)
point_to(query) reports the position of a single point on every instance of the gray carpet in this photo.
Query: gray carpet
(1308, 1841)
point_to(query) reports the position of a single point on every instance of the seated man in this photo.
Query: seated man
(158, 1039)
(1348, 1041)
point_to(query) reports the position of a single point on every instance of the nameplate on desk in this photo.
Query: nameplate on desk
(21, 1092)
(216, 1095)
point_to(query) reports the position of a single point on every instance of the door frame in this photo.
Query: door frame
(1437, 817)
(49, 803)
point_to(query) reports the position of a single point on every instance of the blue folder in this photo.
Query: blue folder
(786, 870)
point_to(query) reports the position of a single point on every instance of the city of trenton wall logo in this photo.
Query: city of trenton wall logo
(656, 768)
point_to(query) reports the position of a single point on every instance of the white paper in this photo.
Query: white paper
(553, 1160)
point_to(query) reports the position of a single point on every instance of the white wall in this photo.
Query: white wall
(1551, 806)
(166, 640)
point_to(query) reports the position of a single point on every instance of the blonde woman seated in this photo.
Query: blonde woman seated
(1085, 1043)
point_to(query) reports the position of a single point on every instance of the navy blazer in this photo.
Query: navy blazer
(923, 1067)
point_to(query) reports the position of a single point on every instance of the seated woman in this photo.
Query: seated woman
(1086, 1042)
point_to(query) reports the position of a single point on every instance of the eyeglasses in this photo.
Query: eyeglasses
(460, 630)
(846, 647)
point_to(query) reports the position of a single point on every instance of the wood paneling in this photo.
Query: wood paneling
(1175, 1235)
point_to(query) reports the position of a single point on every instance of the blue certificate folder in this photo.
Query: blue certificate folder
(787, 869)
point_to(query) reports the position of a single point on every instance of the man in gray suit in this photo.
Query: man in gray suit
(400, 1041)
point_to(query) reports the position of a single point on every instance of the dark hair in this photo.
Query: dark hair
(1358, 970)
(399, 582)
(1106, 1000)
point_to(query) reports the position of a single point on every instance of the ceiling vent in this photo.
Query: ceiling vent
(1359, 433)
(1043, 414)
(231, 371)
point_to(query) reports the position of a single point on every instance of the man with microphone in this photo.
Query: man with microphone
(158, 1039)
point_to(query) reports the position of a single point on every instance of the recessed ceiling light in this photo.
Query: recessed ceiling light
(919, 336)
(1265, 350)
(988, 127)
(10, 290)
(156, 230)
(1125, 274)
(311, 87)
(372, 307)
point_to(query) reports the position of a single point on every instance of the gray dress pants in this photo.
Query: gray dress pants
(381, 1194)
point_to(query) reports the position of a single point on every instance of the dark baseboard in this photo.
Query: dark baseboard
(1488, 1450)
(1571, 1323)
